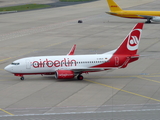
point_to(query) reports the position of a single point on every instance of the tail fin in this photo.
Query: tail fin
(130, 44)
(113, 6)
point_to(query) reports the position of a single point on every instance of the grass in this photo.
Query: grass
(75, 0)
(24, 7)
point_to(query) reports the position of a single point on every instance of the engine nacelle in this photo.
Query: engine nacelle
(156, 19)
(64, 74)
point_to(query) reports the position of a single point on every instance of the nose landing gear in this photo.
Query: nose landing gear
(20, 75)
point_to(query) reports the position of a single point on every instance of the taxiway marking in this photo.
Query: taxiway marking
(30, 52)
(122, 90)
(73, 113)
(5, 59)
(144, 77)
(6, 111)
(148, 79)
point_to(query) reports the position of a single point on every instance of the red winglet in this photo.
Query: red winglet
(71, 52)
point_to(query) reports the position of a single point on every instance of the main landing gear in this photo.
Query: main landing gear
(22, 78)
(148, 20)
(79, 77)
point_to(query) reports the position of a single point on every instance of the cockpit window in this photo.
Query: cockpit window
(14, 63)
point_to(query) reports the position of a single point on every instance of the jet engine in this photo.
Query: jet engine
(156, 19)
(64, 74)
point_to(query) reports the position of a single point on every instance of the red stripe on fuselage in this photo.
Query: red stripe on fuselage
(21, 74)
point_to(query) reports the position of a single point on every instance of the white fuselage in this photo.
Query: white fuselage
(49, 64)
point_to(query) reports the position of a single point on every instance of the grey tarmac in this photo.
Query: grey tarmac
(132, 92)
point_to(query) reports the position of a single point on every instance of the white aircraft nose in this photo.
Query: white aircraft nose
(8, 68)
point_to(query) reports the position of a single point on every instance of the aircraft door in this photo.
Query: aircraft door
(28, 65)
(116, 61)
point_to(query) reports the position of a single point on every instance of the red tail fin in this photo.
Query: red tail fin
(130, 44)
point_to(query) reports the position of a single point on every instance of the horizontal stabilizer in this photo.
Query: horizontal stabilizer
(112, 13)
(132, 57)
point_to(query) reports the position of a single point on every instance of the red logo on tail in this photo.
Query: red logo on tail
(133, 39)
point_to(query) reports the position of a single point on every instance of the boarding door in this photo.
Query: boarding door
(28, 65)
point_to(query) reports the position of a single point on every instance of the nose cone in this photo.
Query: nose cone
(9, 68)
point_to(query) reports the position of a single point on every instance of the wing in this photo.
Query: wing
(83, 69)
(71, 52)
(146, 16)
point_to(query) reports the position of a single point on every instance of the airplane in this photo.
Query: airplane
(71, 65)
(117, 11)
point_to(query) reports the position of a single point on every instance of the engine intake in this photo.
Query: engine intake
(156, 19)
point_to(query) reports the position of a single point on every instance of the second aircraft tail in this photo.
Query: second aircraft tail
(113, 6)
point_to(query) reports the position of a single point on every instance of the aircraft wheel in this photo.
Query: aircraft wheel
(22, 78)
(148, 22)
(80, 77)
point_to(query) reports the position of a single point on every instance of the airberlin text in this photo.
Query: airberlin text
(56, 63)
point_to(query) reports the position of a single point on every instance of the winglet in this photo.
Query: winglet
(71, 52)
